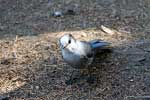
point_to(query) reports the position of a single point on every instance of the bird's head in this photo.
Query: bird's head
(66, 40)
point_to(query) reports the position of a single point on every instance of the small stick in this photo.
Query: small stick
(139, 97)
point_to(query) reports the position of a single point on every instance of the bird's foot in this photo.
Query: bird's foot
(91, 80)
(71, 81)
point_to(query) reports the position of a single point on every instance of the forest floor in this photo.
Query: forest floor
(31, 66)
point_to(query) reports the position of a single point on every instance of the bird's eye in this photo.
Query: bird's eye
(69, 41)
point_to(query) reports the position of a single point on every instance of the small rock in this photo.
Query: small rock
(84, 35)
(147, 50)
(5, 62)
(47, 47)
(57, 14)
(53, 60)
(16, 22)
(107, 30)
(49, 2)
(2, 28)
(131, 80)
(141, 59)
(37, 87)
(70, 12)
(32, 87)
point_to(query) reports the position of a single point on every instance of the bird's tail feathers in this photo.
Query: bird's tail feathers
(99, 44)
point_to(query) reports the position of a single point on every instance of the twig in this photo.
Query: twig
(139, 97)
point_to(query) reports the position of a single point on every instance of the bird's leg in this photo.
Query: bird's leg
(90, 78)
(76, 78)
(89, 71)
(71, 79)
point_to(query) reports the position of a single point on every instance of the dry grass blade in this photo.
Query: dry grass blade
(138, 97)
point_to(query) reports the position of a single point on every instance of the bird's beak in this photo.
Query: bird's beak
(65, 46)
(61, 46)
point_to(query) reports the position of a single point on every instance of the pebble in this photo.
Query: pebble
(70, 12)
(53, 60)
(37, 87)
(131, 80)
(57, 14)
(147, 50)
(141, 59)
(107, 30)
(2, 28)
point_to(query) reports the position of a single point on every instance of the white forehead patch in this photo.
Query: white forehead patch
(64, 39)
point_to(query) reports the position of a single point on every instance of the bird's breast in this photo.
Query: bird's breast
(74, 60)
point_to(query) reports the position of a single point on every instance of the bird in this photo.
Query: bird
(79, 54)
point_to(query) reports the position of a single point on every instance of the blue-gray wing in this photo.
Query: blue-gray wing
(97, 44)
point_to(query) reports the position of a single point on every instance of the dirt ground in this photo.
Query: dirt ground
(31, 67)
